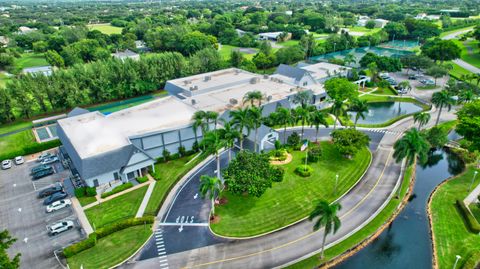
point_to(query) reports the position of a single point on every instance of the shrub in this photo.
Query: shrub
(174, 157)
(182, 151)
(142, 179)
(278, 174)
(294, 140)
(91, 191)
(80, 246)
(195, 147)
(80, 192)
(166, 155)
(278, 155)
(314, 154)
(304, 170)
(117, 189)
(469, 218)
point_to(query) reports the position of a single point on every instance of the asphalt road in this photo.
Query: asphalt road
(24, 216)
(461, 62)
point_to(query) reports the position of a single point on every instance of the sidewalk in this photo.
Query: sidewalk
(146, 198)
(82, 218)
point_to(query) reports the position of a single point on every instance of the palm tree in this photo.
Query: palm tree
(241, 121)
(212, 143)
(284, 118)
(422, 118)
(252, 97)
(301, 114)
(338, 109)
(229, 134)
(302, 98)
(318, 118)
(466, 96)
(213, 117)
(211, 186)
(255, 115)
(360, 107)
(198, 121)
(442, 99)
(327, 217)
(350, 58)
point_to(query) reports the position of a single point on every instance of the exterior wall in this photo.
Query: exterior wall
(102, 179)
(306, 81)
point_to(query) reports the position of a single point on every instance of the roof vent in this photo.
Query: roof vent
(265, 76)
(269, 98)
(233, 101)
(194, 102)
(237, 71)
(254, 80)
(207, 78)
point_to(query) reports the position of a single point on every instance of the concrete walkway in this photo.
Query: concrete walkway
(467, 66)
(146, 198)
(82, 218)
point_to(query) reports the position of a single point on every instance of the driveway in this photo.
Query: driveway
(24, 216)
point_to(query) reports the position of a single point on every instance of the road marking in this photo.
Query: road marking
(305, 236)
(201, 224)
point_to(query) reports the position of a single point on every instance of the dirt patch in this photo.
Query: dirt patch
(214, 219)
(222, 201)
(287, 160)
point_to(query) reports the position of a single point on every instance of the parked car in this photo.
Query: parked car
(51, 190)
(50, 160)
(60, 227)
(44, 156)
(43, 173)
(58, 205)
(6, 164)
(55, 197)
(412, 77)
(19, 160)
(39, 168)
(429, 82)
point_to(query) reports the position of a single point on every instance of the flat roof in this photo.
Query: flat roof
(322, 70)
(95, 133)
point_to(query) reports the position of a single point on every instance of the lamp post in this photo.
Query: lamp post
(458, 257)
(334, 45)
(473, 179)
(336, 182)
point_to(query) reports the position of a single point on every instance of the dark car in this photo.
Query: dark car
(39, 168)
(49, 191)
(43, 173)
(55, 197)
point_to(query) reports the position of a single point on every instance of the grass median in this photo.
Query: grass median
(293, 198)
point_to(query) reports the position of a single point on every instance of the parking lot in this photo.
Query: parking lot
(23, 214)
(415, 83)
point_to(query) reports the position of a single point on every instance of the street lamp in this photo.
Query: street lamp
(473, 179)
(336, 182)
(334, 44)
(456, 261)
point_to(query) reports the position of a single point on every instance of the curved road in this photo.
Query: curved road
(461, 62)
(291, 244)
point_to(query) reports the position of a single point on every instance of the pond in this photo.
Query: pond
(406, 242)
(380, 112)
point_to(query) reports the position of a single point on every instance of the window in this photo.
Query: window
(95, 182)
(305, 83)
(115, 176)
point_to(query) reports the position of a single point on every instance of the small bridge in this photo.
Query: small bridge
(453, 144)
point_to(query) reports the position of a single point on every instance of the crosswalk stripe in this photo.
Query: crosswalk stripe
(162, 253)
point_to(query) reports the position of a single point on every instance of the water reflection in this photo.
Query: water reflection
(380, 112)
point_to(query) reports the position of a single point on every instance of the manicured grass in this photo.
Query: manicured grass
(428, 87)
(112, 249)
(442, 34)
(385, 91)
(16, 142)
(385, 98)
(30, 60)
(10, 127)
(362, 234)
(105, 28)
(226, 50)
(458, 71)
(293, 198)
(471, 56)
(171, 172)
(86, 200)
(362, 29)
(452, 236)
(289, 43)
(122, 207)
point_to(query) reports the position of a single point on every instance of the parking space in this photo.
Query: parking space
(416, 83)
(24, 215)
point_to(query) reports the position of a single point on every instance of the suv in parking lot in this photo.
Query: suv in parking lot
(44, 156)
(50, 160)
(39, 168)
(49, 191)
(60, 227)
(6, 164)
(43, 173)
(55, 197)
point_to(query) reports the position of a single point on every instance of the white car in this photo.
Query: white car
(19, 160)
(49, 160)
(58, 205)
(60, 227)
(44, 156)
(6, 164)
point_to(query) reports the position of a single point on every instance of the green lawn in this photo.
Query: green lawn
(293, 198)
(16, 142)
(362, 234)
(428, 87)
(362, 29)
(452, 236)
(112, 249)
(442, 34)
(105, 28)
(86, 200)
(458, 71)
(474, 57)
(122, 207)
(385, 91)
(171, 172)
(30, 60)
(289, 43)
(226, 50)
(10, 127)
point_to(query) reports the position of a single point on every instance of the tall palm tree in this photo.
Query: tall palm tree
(284, 118)
(422, 118)
(255, 115)
(241, 121)
(466, 96)
(212, 143)
(212, 117)
(328, 218)
(253, 96)
(338, 109)
(211, 186)
(302, 115)
(302, 98)
(442, 99)
(350, 58)
(318, 118)
(198, 121)
(229, 134)
(360, 107)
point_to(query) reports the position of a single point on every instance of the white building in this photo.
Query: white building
(127, 54)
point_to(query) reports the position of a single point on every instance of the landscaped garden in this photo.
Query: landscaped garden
(118, 208)
(105, 28)
(293, 198)
(451, 231)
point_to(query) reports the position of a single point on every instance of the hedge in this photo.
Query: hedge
(104, 231)
(117, 189)
(142, 179)
(304, 170)
(85, 191)
(469, 218)
(31, 149)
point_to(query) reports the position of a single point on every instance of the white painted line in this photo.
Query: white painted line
(164, 264)
(182, 224)
(161, 249)
(164, 260)
(162, 253)
(160, 245)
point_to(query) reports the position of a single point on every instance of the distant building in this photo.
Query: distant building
(45, 70)
(274, 36)
(141, 46)
(25, 30)
(4, 41)
(240, 32)
(289, 12)
(379, 23)
(424, 16)
(127, 54)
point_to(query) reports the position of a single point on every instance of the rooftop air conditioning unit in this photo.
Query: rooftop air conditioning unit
(237, 71)
(269, 98)
(265, 76)
(253, 80)
(233, 101)
(194, 102)
(195, 87)
(207, 78)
